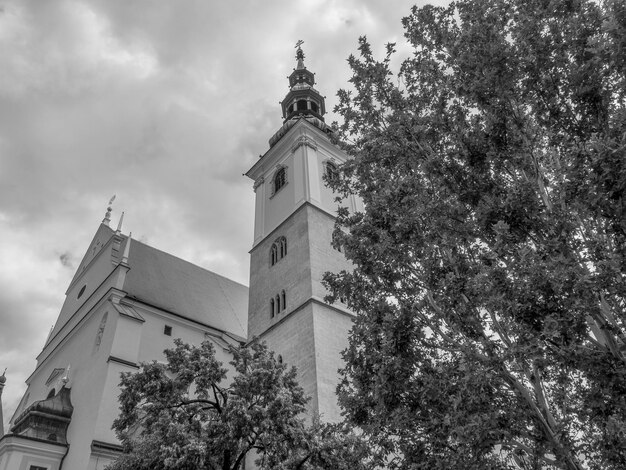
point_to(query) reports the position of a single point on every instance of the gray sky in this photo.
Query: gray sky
(164, 104)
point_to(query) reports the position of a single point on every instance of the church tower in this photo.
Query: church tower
(294, 220)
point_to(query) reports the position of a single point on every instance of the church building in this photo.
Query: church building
(128, 301)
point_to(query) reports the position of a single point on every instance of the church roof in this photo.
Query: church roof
(180, 287)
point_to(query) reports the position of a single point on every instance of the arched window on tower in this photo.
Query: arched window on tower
(335, 243)
(280, 179)
(314, 107)
(272, 308)
(278, 309)
(278, 250)
(332, 173)
(284, 299)
(302, 105)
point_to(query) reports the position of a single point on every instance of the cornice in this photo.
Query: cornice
(310, 301)
(291, 216)
(303, 140)
(258, 182)
(147, 307)
(300, 129)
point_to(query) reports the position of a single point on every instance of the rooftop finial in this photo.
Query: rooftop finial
(300, 54)
(3, 377)
(107, 216)
(66, 378)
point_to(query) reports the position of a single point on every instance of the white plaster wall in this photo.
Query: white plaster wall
(303, 150)
(19, 454)
(281, 203)
(101, 276)
(153, 341)
(86, 379)
(138, 342)
(134, 342)
(121, 342)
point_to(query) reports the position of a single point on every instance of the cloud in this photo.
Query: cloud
(66, 260)
(165, 104)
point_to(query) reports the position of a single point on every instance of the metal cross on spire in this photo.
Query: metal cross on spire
(300, 54)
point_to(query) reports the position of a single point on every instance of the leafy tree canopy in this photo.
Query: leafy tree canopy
(187, 414)
(490, 260)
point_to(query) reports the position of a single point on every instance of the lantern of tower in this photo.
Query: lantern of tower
(303, 98)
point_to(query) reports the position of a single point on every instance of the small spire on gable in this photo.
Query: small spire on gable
(119, 224)
(127, 249)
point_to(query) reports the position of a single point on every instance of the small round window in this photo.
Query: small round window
(81, 291)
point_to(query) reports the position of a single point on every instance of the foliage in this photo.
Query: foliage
(188, 414)
(490, 261)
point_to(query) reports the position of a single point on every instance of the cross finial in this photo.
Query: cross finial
(300, 54)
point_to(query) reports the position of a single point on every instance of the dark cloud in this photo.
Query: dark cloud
(66, 259)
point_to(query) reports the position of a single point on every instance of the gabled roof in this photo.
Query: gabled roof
(180, 287)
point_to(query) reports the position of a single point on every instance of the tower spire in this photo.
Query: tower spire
(302, 99)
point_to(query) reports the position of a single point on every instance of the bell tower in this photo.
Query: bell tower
(294, 220)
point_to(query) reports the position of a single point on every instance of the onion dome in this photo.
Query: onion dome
(46, 419)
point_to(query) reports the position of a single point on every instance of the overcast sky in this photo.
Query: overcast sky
(164, 104)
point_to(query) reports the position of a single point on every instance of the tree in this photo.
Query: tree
(489, 274)
(188, 414)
